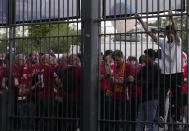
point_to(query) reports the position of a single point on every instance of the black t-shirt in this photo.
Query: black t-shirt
(149, 80)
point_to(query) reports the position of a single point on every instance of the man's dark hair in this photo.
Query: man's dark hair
(107, 52)
(141, 59)
(150, 52)
(158, 54)
(117, 53)
(131, 58)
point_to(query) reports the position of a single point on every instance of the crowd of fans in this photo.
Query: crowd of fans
(137, 93)
(48, 87)
(131, 90)
(43, 85)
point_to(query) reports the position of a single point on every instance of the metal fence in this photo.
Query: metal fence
(94, 65)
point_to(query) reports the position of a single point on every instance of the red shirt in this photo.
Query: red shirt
(27, 80)
(106, 83)
(48, 75)
(0, 77)
(184, 88)
(137, 89)
(124, 71)
(16, 74)
(23, 85)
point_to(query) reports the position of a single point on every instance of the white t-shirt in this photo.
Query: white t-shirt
(171, 56)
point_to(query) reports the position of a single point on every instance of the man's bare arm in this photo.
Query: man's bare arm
(153, 36)
(174, 27)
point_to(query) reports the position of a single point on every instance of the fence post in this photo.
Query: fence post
(11, 91)
(89, 112)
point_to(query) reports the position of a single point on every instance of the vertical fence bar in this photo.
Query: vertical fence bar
(187, 36)
(89, 15)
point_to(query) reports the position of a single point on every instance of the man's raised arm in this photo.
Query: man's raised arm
(153, 36)
(174, 27)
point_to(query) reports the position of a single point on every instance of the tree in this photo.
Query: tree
(42, 38)
(3, 43)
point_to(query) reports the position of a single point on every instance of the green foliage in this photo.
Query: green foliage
(162, 22)
(42, 38)
(3, 43)
(57, 37)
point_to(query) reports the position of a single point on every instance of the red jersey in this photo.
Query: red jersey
(106, 83)
(23, 85)
(136, 91)
(184, 87)
(48, 75)
(119, 91)
(16, 75)
(0, 77)
(29, 80)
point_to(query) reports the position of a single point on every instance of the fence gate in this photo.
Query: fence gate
(94, 65)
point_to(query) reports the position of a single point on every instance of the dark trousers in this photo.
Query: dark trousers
(133, 109)
(27, 113)
(61, 123)
(121, 111)
(106, 111)
(71, 110)
(47, 114)
(174, 83)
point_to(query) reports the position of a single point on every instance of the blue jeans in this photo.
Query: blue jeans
(146, 113)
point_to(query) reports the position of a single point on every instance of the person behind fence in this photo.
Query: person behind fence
(74, 60)
(46, 95)
(28, 87)
(15, 75)
(141, 62)
(184, 87)
(24, 107)
(171, 66)
(62, 65)
(107, 70)
(121, 104)
(149, 80)
(134, 95)
(2, 65)
(139, 67)
(71, 81)
(133, 61)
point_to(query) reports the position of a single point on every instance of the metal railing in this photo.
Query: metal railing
(107, 65)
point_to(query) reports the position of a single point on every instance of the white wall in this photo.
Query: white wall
(129, 48)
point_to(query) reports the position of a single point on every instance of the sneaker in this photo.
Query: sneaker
(161, 122)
